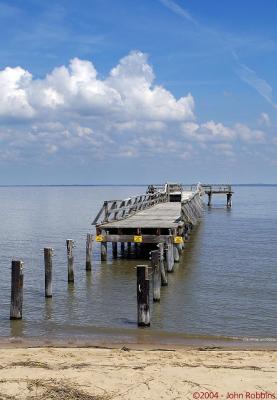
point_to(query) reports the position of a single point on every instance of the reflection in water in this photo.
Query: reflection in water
(48, 309)
(17, 328)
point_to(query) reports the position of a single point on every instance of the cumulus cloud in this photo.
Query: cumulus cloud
(127, 93)
(74, 111)
(212, 131)
(14, 100)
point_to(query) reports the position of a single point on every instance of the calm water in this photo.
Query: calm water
(225, 284)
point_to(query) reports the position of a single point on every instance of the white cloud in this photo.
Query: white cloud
(73, 111)
(250, 77)
(127, 94)
(13, 93)
(264, 120)
(212, 131)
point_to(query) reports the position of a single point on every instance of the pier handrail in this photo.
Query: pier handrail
(191, 207)
(115, 210)
(218, 188)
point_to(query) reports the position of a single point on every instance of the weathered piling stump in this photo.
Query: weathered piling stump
(48, 266)
(70, 260)
(89, 244)
(163, 271)
(16, 290)
(156, 274)
(143, 295)
(229, 200)
(114, 249)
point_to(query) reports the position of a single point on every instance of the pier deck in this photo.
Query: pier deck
(162, 215)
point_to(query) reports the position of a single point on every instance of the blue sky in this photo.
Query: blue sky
(106, 91)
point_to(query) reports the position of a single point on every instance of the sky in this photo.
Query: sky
(121, 92)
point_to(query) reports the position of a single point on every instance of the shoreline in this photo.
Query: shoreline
(72, 373)
(136, 343)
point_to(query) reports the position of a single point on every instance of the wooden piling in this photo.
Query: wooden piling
(122, 248)
(89, 244)
(209, 199)
(114, 244)
(16, 290)
(169, 257)
(163, 272)
(156, 274)
(48, 265)
(143, 295)
(104, 251)
(176, 253)
(229, 200)
(70, 260)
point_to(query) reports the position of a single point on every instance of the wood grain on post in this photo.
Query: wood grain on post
(70, 260)
(143, 295)
(156, 273)
(48, 264)
(163, 272)
(89, 244)
(16, 290)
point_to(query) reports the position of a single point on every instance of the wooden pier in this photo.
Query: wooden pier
(164, 215)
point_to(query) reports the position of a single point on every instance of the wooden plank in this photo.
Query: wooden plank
(165, 215)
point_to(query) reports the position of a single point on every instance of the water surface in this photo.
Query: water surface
(224, 286)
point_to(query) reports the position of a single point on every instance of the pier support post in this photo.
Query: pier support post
(229, 200)
(48, 264)
(143, 295)
(104, 251)
(16, 290)
(163, 272)
(129, 246)
(156, 274)
(176, 253)
(122, 248)
(70, 260)
(114, 244)
(89, 243)
(169, 257)
(209, 199)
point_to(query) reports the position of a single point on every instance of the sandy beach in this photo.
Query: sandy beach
(123, 373)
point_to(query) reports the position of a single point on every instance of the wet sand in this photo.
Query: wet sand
(136, 373)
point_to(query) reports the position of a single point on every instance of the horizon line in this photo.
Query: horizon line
(127, 184)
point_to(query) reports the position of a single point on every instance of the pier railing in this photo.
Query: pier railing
(192, 207)
(115, 210)
(217, 188)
